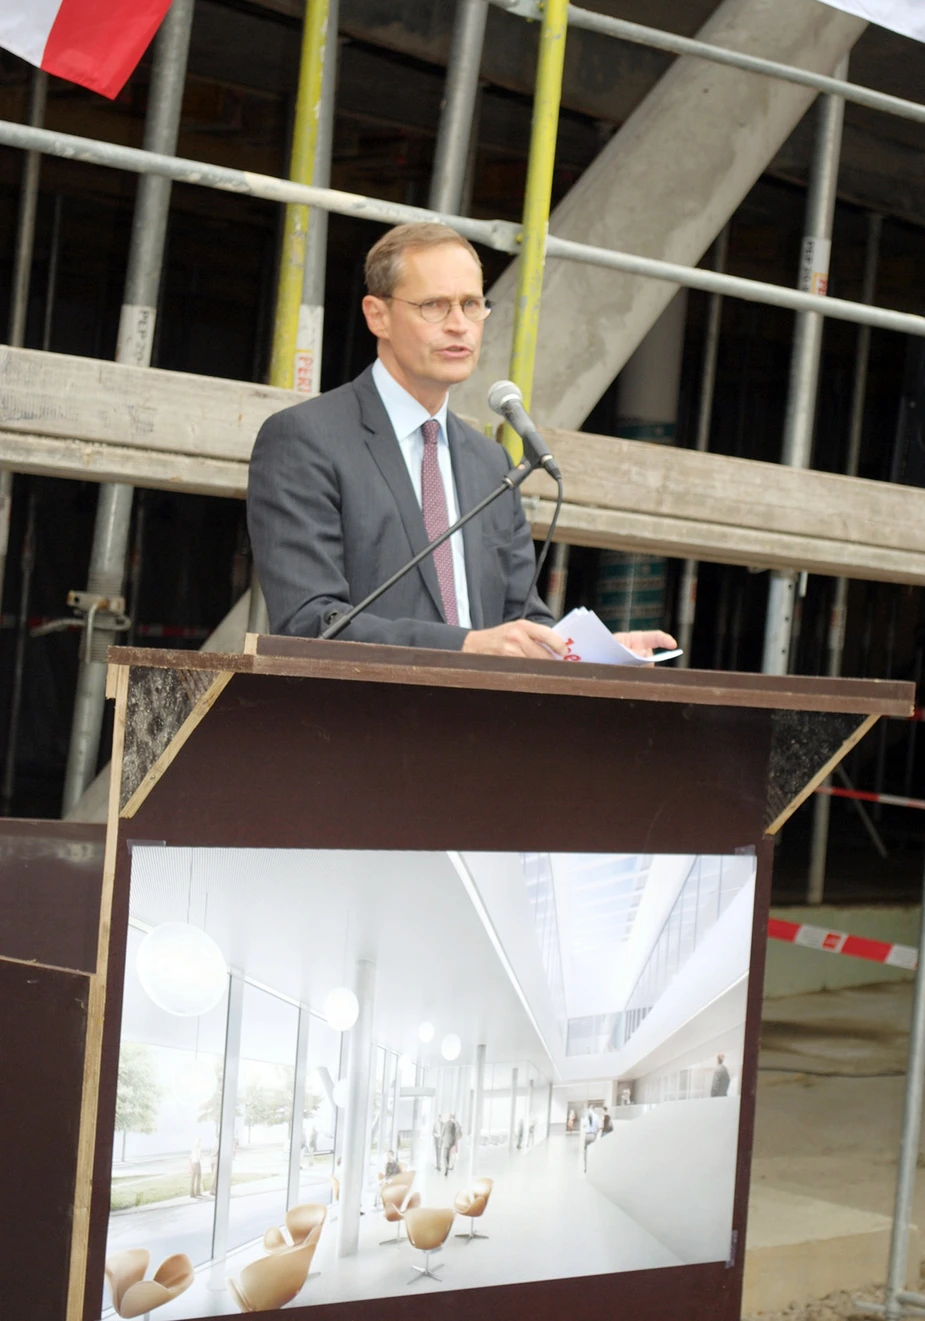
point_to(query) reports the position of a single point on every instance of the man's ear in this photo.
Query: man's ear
(376, 312)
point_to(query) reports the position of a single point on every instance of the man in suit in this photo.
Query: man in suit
(345, 488)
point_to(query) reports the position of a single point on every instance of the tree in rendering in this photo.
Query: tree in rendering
(138, 1092)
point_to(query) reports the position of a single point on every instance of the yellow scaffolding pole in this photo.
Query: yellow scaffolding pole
(537, 197)
(301, 167)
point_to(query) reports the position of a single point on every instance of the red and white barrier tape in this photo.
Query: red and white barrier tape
(893, 800)
(839, 942)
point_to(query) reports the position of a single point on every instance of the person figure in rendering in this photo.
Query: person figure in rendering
(590, 1127)
(345, 488)
(720, 1083)
(606, 1123)
(438, 1139)
(195, 1169)
(450, 1143)
(392, 1167)
(520, 1132)
(212, 1163)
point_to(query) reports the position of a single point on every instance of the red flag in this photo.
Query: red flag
(96, 43)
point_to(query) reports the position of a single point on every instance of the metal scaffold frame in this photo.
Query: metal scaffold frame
(502, 235)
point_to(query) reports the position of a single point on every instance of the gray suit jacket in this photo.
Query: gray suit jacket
(332, 513)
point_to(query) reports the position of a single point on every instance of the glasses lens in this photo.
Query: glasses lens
(435, 309)
(476, 309)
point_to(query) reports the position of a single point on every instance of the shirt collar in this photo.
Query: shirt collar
(406, 413)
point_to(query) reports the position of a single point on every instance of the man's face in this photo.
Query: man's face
(428, 358)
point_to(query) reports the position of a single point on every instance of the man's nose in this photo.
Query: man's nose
(456, 318)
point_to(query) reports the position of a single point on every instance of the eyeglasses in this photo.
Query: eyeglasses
(435, 310)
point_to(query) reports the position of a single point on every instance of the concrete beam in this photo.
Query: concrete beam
(663, 187)
(80, 417)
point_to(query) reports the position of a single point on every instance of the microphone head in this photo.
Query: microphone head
(504, 392)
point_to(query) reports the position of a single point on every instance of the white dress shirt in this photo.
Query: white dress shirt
(407, 416)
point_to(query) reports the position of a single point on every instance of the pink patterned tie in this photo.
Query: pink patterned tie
(433, 507)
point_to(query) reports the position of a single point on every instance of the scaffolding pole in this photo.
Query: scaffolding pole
(557, 582)
(22, 271)
(687, 590)
(102, 600)
(899, 1302)
(839, 609)
(301, 169)
(674, 44)
(310, 328)
(16, 336)
(807, 351)
(537, 197)
(501, 235)
(295, 356)
(457, 113)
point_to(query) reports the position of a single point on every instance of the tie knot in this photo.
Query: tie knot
(431, 430)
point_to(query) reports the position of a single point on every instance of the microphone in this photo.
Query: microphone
(506, 398)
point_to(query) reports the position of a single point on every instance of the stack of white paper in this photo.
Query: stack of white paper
(589, 639)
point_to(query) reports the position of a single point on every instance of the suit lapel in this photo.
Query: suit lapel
(386, 452)
(466, 497)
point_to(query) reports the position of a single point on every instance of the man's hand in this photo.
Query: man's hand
(644, 641)
(520, 638)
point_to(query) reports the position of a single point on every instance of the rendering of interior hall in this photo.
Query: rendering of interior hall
(462, 1019)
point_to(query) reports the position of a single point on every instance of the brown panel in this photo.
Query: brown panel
(361, 662)
(291, 764)
(42, 1023)
(51, 873)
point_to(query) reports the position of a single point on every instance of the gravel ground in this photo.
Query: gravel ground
(837, 1307)
(830, 1097)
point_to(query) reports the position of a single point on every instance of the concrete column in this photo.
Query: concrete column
(384, 1126)
(416, 1123)
(631, 588)
(664, 185)
(230, 1072)
(396, 1097)
(342, 1061)
(477, 1103)
(298, 1107)
(511, 1137)
(359, 1091)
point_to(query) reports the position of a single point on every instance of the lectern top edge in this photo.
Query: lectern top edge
(354, 661)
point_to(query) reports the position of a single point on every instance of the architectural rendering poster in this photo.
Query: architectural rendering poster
(349, 1075)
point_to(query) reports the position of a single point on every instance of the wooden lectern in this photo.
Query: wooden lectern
(336, 746)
